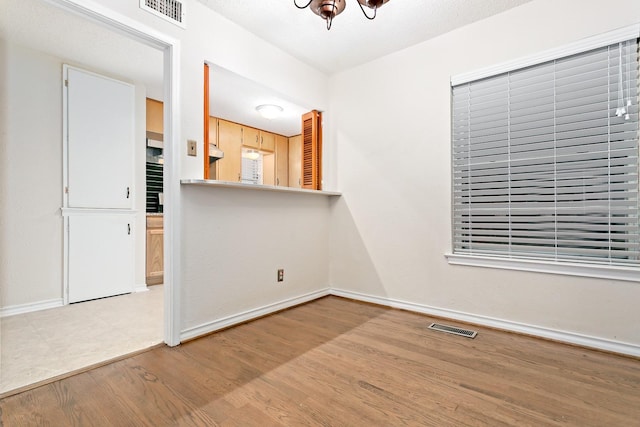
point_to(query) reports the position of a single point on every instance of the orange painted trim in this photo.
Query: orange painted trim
(206, 121)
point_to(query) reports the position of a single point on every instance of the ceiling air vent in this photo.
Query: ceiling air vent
(171, 10)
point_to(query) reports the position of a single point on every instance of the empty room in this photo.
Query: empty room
(361, 212)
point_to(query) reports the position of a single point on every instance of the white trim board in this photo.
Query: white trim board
(595, 42)
(12, 310)
(601, 271)
(225, 322)
(507, 325)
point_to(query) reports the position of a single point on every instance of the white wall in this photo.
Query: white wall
(391, 135)
(217, 279)
(211, 37)
(31, 258)
(238, 239)
(32, 233)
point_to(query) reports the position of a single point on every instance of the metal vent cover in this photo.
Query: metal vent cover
(453, 330)
(170, 10)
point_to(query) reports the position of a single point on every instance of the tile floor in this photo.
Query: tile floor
(43, 344)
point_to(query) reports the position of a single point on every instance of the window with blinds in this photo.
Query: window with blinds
(545, 160)
(251, 167)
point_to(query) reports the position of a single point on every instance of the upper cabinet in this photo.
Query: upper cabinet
(258, 139)
(267, 141)
(100, 126)
(250, 137)
(155, 116)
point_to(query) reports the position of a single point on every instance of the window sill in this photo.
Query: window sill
(255, 187)
(566, 268)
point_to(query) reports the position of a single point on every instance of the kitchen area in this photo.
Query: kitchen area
(154, 263)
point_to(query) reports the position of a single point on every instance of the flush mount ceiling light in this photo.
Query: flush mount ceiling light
(329, 9)
(250, 154)
(269, 111)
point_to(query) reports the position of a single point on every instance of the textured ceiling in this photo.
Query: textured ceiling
(353, 39)
(400, 23)
(46, 28)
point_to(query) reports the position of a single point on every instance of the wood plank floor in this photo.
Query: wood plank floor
(336, 362)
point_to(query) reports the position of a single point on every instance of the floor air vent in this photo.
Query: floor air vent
(453, 330)
(171, 10)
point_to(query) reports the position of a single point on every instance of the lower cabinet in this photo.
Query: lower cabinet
(101, 255)
(155, 250)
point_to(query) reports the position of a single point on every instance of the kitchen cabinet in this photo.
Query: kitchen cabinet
(282, 161)
(269, 169)
(258, 139)
(250, 137)
(155, 250)
(267, 141)
(99, 142)
(295, 161)
(213, 144)
(101, 255)
(230, 142)
(155, 116)
(213, 132)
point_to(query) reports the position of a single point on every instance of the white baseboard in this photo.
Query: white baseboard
(235, 319)
(12, 310)
(539, 331)
(140, 288)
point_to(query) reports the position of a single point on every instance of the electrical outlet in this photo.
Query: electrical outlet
(192, 147)
(281, 275)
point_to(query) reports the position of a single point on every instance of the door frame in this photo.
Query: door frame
(172, 213)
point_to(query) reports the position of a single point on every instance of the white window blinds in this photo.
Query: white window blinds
(252, 168)
(545, 160)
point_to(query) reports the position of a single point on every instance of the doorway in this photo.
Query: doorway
(82, 20)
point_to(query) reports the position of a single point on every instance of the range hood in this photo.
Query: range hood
(215, 153)
(155, 140)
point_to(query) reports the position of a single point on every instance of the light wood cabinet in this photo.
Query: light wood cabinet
(230, 142)
(231, 137)
(250, 137)
(269, 169)
(258, 139)
(155, 116)
(212, 170)
(282, 161)
(295, 161)
(213, 131)
(155, 250)
(267, 141)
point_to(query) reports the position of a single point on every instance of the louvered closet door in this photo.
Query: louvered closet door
(312, 150)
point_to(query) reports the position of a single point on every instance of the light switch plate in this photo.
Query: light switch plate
(192, 147)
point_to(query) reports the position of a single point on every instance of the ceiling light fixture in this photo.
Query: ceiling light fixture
(329, 9)
(250, 154)
(269, 111)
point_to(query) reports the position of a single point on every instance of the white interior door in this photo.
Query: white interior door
(101, 256)
(100, 132)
